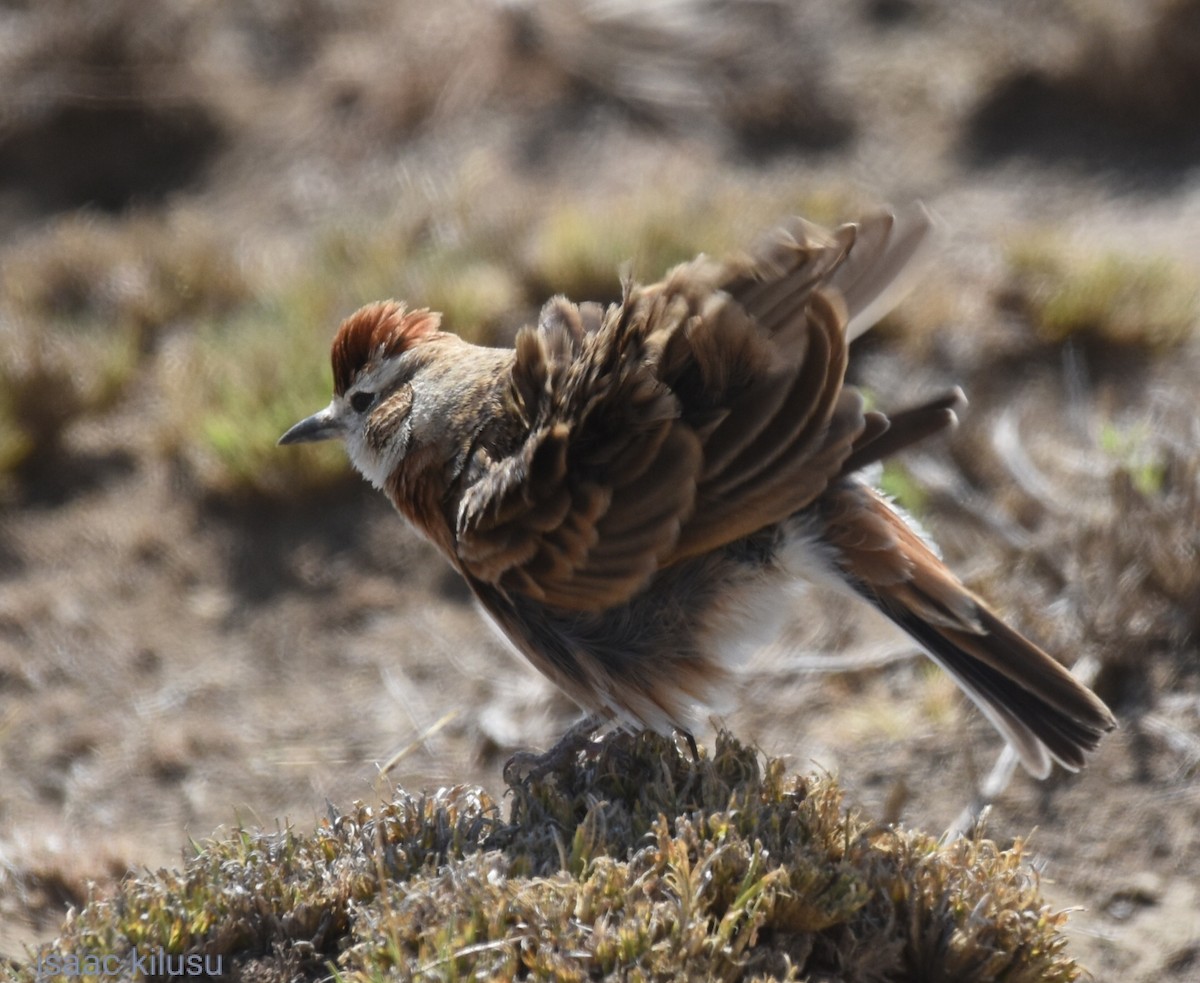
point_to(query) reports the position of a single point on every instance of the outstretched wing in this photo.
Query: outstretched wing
(699, 410)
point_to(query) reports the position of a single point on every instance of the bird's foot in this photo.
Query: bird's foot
(526, 765)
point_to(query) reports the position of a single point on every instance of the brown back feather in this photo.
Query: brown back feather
(698, 411)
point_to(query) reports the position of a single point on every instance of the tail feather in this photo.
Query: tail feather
(1043, 711)
(1041, 715)
(885, 435)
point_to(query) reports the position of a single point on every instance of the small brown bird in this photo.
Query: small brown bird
(630, 489)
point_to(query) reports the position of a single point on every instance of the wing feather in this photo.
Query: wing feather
(697, 411)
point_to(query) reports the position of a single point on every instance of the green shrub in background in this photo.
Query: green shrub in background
(1149, 302)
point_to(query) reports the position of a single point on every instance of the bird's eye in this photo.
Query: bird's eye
(361, 402)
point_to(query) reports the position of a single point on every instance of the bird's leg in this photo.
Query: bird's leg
(691, 742)
(529, 764)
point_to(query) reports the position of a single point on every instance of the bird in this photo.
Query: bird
(630, 490)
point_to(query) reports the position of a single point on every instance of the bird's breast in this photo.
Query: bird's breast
(418, 490)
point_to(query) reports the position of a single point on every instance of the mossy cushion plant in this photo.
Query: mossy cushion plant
(1133, 301)
(629, 860)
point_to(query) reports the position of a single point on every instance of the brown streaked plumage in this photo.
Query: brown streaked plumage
(627, 489)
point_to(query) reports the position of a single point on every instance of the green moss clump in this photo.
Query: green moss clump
(624, 860)
(235, 388)
(51, 376)
(84, 304)
(139, 274)
(1143, 302)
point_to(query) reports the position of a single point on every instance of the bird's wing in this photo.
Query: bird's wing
(767, 362)
(699, 410)
(581, 514)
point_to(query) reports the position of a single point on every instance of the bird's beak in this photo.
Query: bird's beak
(322, 425)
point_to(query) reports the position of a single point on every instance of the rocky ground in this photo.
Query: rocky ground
(186, 642)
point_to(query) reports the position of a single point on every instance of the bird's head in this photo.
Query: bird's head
(377, 353)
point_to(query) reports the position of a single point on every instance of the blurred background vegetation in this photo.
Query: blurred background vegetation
(192, 195)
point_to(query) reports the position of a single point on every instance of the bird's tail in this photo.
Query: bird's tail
(1040, 708)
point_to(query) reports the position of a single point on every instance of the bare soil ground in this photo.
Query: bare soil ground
(173, 660)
